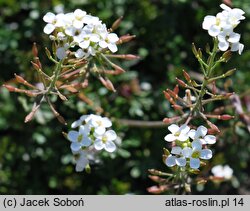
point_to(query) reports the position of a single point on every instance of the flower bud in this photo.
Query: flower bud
(173, 94)
(47, 52)
(176, 89)
(36, 67)
(171, 120)
(10, 88)
(230, 72)
(226, 117)
(34, 50)
(186, 76)
(166, 152)
(125, 38)
(195, 52)
(207, 48)
(116, 24)
(181, 83)
(226, 56)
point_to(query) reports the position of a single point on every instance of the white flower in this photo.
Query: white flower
(79, 122)
(222, 171)
(196, 153)
(52, 21)
(106, 141)
(237, 47)
(177, 133)
(79, 138)
(176, 158)
(87, 31)
(78, 18)
(81, 160)
(222, 25)
(99, 123)
(61, 53)
(201, 135)
(109, 41)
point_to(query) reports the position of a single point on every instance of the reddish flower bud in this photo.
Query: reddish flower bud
(226, 117)
(34, 50)
(125, 38)
(181, 83)
(10, 88)
(116, 24)
(176, 89)
(186, 75)
(177, 107)
(172, 93)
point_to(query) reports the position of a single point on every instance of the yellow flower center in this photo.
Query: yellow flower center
(196, 154)
(79, 139)
(104, 139)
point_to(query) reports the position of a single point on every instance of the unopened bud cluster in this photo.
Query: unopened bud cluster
(90, 132)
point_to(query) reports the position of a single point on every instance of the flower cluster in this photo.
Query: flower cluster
(78, 29)
(222, 171)
(92, 134)
(188, 146)
(222, 25)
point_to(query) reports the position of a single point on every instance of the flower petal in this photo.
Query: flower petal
(173, 128)
(112, 47)
(98, 144)
(86, 141)
(110, 146)
(111, 135)
(192, 133)
(103, 44)
(49, 28)
(176, 150)
(217, 171)
(223, 46)
(61, 53)
(234, 38)
(84, 44)
(181, 161)
(209, 20)
(206, 154)
(106, 122)
(214, 30)
(75, 146)
(170, 161)
(49, 17)
(201, 131)
(170, 138)
(112, 37)
(194, 163)
(184, 129)
(210, 139)
(182, 137)
(196, 145)
(100, 131)
(73, 135)
(187, 152)
(76, 124)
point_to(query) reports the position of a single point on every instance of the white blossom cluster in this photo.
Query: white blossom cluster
(78, 29)
(222, 171)
(222, 25)
(90, 132)
(189, 146)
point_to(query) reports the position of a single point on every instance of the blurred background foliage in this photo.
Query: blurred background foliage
(35, 158)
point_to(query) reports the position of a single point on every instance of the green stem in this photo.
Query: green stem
(55, 75)
(207, 75)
